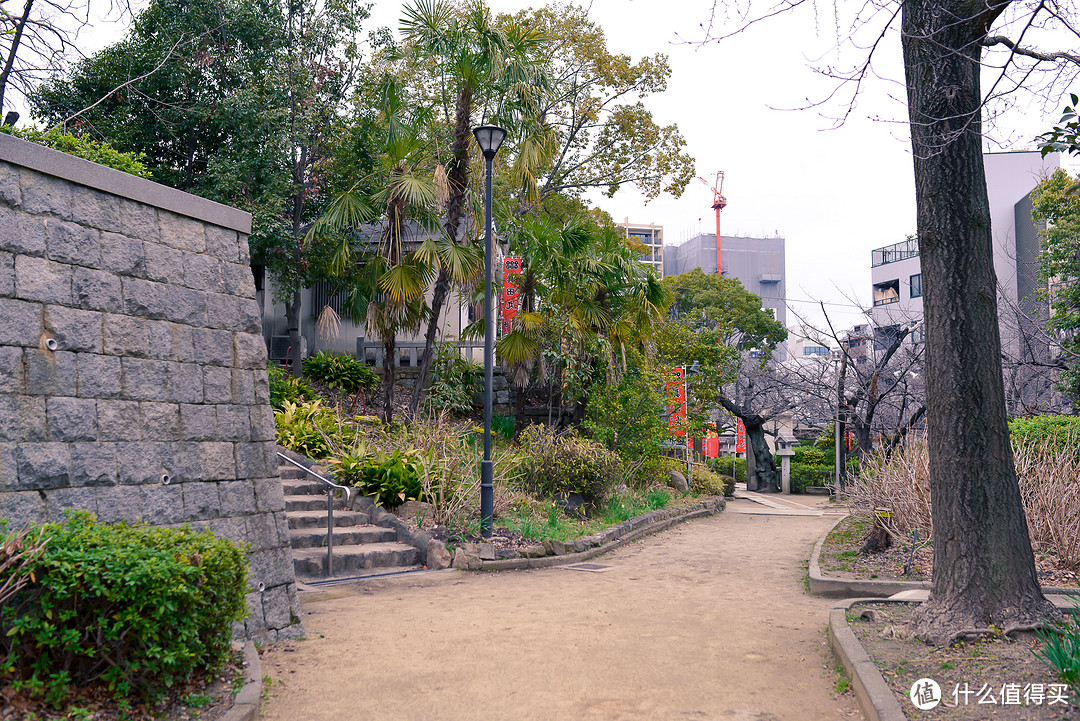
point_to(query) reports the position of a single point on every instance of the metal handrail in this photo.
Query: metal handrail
(329, 508)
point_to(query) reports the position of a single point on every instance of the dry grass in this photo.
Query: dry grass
(1049, 479)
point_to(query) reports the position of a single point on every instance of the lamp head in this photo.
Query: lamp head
(489, 138)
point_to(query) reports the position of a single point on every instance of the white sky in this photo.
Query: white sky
(833, 194)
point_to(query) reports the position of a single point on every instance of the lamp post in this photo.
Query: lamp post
(489, 138)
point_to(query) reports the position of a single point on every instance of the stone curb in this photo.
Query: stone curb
(618, 535)
(832, 587)
(246, 703)
(875, 698)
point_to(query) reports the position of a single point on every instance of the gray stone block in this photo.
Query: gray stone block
(223, 311)
(182, 462)
(71, 419)
(9, 470)
(215, 347)
(96, 290)
(263, 532)
(254, 624)
(160, 421)
(7, 274)
(262, 423)
(118, 420)
(120, 504)
(217, 384)
(276, 608)
(272, 567)
(43, 465)
(121, 254)
(186, 306)
(30, 425)
(161, 504)
(250, 350)
(93, 464)
(222, 243)
(12, 378)
(171, 341)
(238, 279)
(140, 464)
(44, 194)
(144, 298)
(185, 383)
(163, 263)
(21, 233)
(99, 376)
(144, 380)
(49, 373)
(216, 461)
(42, 280)
(61, 500)
(201, 272)
(232, 529)
(21, 509)
(8, 409)
(269, 495)
(237, 498)
(250, 316)
(201, 501)
(197, 423)
(243, 386)
(72, 243)
(233, 423)
(124, 336)
(74, 329)
(262, 386)
(10, 192)
(138, 220)
(181, 232)
(20, 322)
(250, 461)
(96, 209)
(273, 462)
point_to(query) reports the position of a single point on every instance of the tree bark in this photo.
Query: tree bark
(984, 569)
(389, 345)
(765, 473)
(292, 322)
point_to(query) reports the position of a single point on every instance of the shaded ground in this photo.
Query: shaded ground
(705, 621)
(997, 678)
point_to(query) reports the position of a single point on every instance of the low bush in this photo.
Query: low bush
(1061, 650)
(569, 464)
(711, 482)
(729, 466)
(284, 387)
(654, 470)
(137, 608)
(805, 474)
(83, 147)
(311, 428)
(341, 372)
(811, 455)
(390, 478)
(1045, 430)
(454, 381)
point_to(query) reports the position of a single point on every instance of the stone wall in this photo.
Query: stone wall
(132, 364)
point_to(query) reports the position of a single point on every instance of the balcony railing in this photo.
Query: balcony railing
(895, 252)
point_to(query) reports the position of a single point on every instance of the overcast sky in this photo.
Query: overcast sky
(834, 194)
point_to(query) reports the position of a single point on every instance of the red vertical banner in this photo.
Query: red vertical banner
(740, 437)
(510, 298)
(712, 445)
(675, 393)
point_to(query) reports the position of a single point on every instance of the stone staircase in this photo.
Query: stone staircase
(360, 549)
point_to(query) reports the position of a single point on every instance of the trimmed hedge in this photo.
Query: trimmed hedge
(138, 608)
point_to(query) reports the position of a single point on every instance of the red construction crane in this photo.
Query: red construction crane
(719, 203)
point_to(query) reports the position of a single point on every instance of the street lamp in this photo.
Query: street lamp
(489, 138)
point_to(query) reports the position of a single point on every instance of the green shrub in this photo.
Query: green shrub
(569, 464)
(311, 428)
(1044, 430)
(390, 478)
(712, 483)
(341, 372)
(804, 474)
(136, 607)
(624, 417)
(284, 387)
(729, 466)
(656, 470)
(454, 381)
(1061, 650)
(82, 147)
(812, 456)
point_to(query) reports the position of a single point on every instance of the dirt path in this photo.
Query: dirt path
(708, 620)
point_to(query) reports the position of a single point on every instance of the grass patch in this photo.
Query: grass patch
(547, 520)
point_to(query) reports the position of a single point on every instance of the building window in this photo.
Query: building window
(918, 335)
(815, 350)
(887, 292)
(916, 285)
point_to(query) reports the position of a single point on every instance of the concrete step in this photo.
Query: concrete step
(311, 503)
(288, 470)
(310, 563)
(316, 519)
(345, 536)
(303, 487)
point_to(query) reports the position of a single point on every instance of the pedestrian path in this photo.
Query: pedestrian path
(708, 620)
(784, 505)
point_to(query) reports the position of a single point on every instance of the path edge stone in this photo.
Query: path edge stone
(622, 534)
(832, 587)
(875, 698)
(247, 702)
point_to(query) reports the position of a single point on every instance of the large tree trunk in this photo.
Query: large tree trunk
(765, 477)
(389, 348)
(292, 322)
(984, 570)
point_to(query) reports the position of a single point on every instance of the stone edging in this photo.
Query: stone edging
(830, 586)
(875, 698)
(246, 703)
(583, 549)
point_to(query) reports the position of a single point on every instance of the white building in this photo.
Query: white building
(652, 237)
